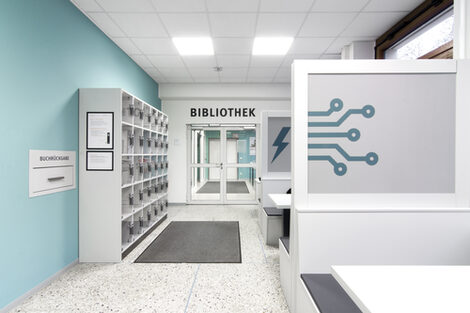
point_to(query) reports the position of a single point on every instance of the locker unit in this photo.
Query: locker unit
(122, 203)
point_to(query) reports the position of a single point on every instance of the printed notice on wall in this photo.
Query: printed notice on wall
(252, 145)
(100, 130)
(99, 161)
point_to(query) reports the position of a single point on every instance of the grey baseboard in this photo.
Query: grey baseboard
(35, 289)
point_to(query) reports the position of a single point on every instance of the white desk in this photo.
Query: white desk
(407, 289)
(281, 200)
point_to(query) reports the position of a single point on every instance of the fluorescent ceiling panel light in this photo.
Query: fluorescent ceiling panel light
(194, 45)
(272, 45)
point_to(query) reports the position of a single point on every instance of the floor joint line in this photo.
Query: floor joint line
(191, 290)
(262, 249)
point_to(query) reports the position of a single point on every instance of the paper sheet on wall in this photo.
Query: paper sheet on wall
(100, 131)
(252, 146)
(99, 161)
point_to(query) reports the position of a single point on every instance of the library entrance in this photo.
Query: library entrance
(222, 164)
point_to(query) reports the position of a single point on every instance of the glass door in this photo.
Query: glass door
(240, 164)
(222, 164)
(205, 169)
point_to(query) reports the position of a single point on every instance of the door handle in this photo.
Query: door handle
(221, 166)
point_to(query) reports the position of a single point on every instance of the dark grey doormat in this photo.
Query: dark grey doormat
(232, 187)
(195, 242)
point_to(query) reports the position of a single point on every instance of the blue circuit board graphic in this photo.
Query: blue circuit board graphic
(336, 105)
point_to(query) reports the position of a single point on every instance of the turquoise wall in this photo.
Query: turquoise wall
(49, 49)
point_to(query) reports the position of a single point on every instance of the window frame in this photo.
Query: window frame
(416, 19)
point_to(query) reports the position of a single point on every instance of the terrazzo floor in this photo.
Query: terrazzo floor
(252, 286)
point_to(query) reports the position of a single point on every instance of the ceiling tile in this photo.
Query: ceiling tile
(232, 5)
(281, 79)
(339, 5)
(395, 5)
(259, 79)
(185, 24)
(203, 72)
(239, 72)
(262, 72)
(284, 71)
(340, 42)
(291, 57)
(126, 5)
(233, 25)
(88, 5)
(233, 60)
(159, 79)
(232, 79)
(206, 79)
(141, 60)
(326, 24)
(331, 56)
(152, 71)
(172, 72)
(127, 45)
(366, 24)
(140, 25)
(200, 61)
(285, 5)
(233, 45)
(179, 5)
(283, 75)
(279, 24)
(103, 21)
(166, 61)
(155, 46)
(179, 79)
(310, 45)
(266, 61)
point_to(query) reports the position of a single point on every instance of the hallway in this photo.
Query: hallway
(252, 286)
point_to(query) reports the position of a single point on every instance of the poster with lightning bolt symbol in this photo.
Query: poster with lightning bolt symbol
(279, 145)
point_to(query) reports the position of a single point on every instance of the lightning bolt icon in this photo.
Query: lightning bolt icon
(279, 142)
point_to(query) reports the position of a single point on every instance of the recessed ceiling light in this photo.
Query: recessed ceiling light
(272, 45)
(194, 45)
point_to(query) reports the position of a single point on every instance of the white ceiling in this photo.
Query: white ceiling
(144, 28)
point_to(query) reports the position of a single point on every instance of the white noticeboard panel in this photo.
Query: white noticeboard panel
(100, 130)
(99, 161)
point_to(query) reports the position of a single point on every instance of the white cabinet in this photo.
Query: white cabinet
(119, 208)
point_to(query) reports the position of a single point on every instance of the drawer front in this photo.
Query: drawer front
(50, 178)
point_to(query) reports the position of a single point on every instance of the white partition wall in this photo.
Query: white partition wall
(380, 174)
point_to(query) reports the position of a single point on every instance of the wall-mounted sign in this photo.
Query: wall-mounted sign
(365, 137)
(279, 147)
(222, 112)
(100, 130)
(51, 171)
(99, 161)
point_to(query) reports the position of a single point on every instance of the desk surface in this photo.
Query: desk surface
(281, 200)
(406, 289)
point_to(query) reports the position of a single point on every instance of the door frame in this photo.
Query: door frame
(223, 165)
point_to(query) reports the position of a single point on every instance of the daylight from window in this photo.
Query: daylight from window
(432, 38)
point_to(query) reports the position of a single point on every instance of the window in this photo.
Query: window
(426, 32)
(433, 35)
